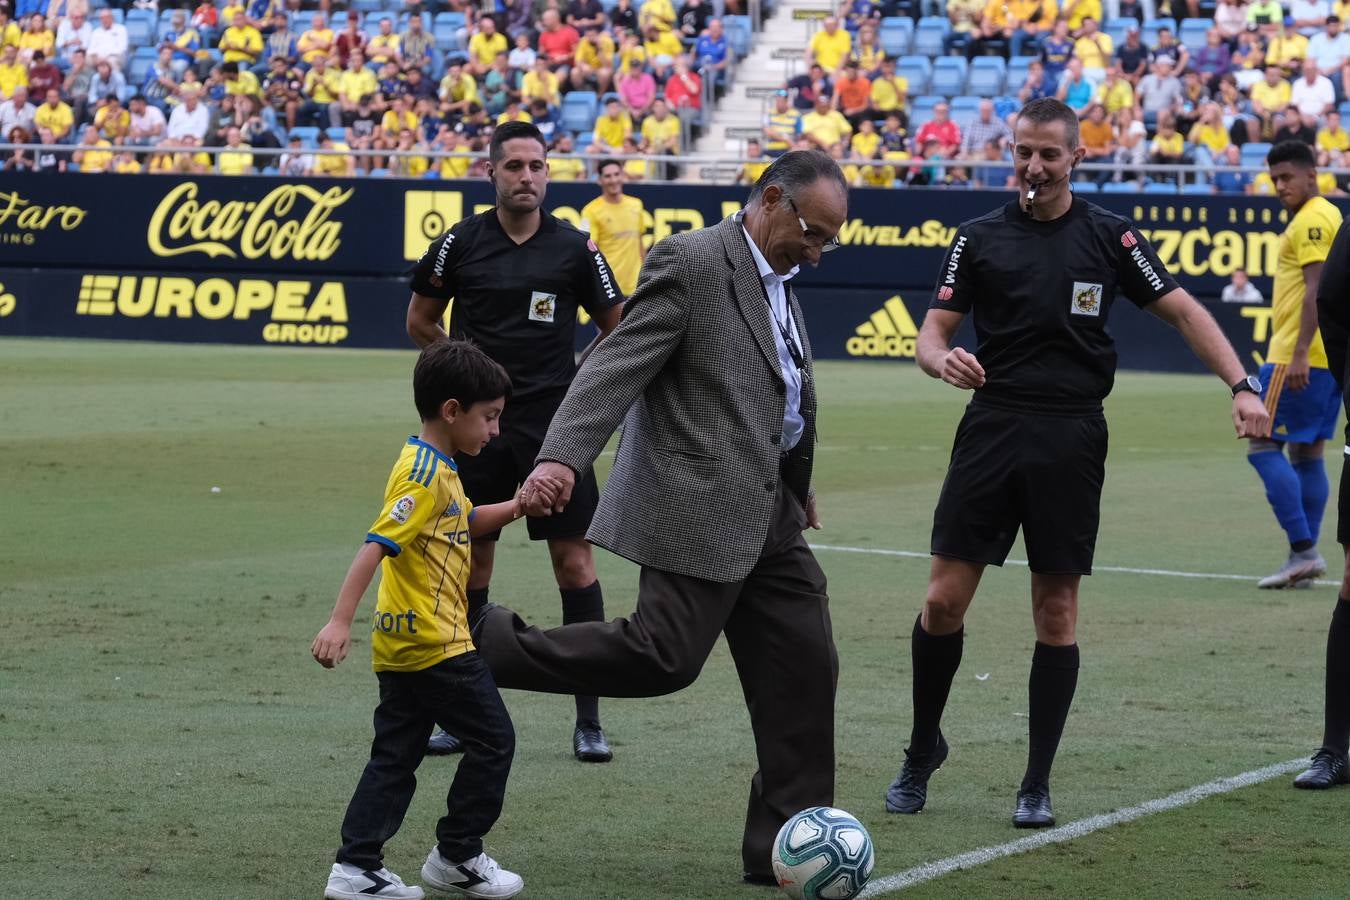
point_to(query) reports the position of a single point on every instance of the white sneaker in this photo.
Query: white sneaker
(477, 877)
(1300, 570)
(348, 882)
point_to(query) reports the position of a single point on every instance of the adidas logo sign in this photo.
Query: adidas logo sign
(890, 332)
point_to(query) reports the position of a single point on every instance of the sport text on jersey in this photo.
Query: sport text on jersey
(605, 281)
(438, 270)
(1128, 241)
(954, 261)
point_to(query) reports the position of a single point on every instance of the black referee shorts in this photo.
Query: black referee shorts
(503, 465)
(1009, 469)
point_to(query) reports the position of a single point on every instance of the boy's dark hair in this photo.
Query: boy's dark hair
(456, 370)
(1296, 152)
(605, 163)
(510, 131)
(1045, 110)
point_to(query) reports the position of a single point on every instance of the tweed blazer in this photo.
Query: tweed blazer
(693, 373)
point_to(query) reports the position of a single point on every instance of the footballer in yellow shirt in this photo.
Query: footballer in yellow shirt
(615, 222)
(1299, 392)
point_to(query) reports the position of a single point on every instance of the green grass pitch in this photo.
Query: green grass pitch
(164, 733)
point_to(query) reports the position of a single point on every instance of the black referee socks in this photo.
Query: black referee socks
(1336, 735)
(584, 605)
(478, 598)
(1054, 678)
(936, 659)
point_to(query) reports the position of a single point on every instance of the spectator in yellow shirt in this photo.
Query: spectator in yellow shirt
(1078, 11)
(456, 161)
(540, 84)
(865, 142)
(485, 45)
(661, 48)
(611, 128)
(125, 163)
(397, 118)
(1116, 92)
(1093, 47)
(1013, 22)
(632, 55)
(1270, 96)
(336, 164)
(317, 42)
(1330, 139)
(385, 47)
(57, 116)
(38, 37)
(890, 92)
(560, 169)
(658, 14)
(356, 82)
(112, 120)
(236, 157)
(408, 166)
(240, 81)
(1287, 50)
(458, 90)
(1209, 131)
(661, 130)
(593, 63)
(830, 46)
(12, 72)
(513, 113)
(94, 154)
(755, 163)
(241, 42)
(824, 126)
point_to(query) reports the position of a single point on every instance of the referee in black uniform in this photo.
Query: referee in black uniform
(1329, 764)
(518, 276)
(1041, 275)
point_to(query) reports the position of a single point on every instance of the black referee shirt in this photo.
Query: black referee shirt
(1041, 293)
(1333, 288)
(519, 302)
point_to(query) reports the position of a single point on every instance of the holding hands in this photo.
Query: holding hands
(548, 489)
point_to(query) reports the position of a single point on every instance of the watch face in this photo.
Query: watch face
(1254, 383)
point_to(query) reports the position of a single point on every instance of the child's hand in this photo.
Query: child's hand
(330, 647)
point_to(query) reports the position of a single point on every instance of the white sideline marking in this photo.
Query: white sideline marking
(1126, 570)
(929, 871)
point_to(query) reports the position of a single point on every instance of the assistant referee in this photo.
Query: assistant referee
(518, 275)
(1040, 275)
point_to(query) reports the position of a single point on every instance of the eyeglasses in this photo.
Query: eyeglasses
(810, 237)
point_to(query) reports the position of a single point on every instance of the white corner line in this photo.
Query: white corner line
(1120, 570)
(929, 871)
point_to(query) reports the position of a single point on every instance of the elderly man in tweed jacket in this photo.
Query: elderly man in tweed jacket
(710, 372)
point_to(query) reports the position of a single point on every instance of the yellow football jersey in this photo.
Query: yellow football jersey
(617, 229)
(1307, 240)
(421, 617)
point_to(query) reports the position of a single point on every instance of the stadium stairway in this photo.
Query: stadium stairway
(776, 55)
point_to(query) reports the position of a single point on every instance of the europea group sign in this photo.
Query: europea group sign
(320, 261)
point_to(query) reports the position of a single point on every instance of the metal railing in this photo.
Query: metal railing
(695, 167)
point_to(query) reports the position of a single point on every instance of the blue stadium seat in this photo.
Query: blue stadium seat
(337, 132)
(1160, 187)
(308, 134)
(916, 70)
(928, 37)
(1086, 187)
(139, 65)
(1344, 108)
(379, 173)
(949, 75)
(271, 170)
(367, 6)
(1197, 189)
(1117, 27)
(1254, 154)
(583, 141)
(964, 109)
(739, 34)
(579, 109)
(1149, 33)
(445, 36)
(921, 110)
(1017, 72)
(402, 24)
(986, 77)
(896, 35)
(1119, 187)
(1192, 32)
(449, 19)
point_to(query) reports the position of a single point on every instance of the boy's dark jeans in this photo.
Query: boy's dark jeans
(460, 696)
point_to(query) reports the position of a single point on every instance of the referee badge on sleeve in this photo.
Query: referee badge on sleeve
(1087, 299)
(542, 306)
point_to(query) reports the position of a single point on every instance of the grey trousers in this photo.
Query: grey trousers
(777, 625)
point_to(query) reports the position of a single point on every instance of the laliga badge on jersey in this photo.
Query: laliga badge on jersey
(1087, 299)
(403, 508)
(542, 306)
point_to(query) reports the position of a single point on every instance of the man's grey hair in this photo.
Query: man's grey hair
(798, 169)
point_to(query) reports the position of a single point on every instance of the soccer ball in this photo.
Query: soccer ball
(822, 853)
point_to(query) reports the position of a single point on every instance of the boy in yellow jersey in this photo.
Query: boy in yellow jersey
(1299, 391)
(424, 657)
(614, 220)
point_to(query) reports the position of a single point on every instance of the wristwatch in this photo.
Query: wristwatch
(1250, 383)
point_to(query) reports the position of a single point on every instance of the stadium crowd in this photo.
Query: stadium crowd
(1216, 91)
(418, 84)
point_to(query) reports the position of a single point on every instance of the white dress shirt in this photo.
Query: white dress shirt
(781, 312)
